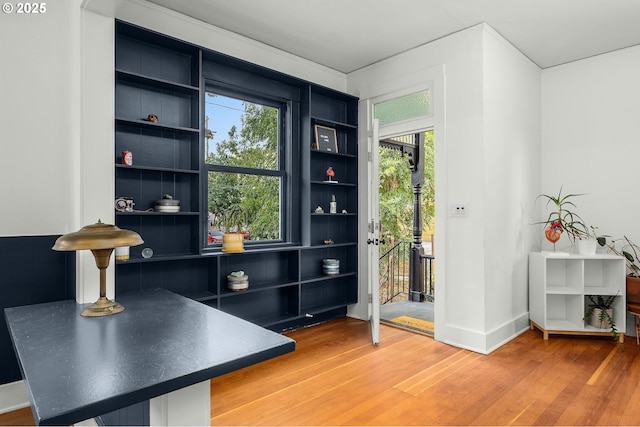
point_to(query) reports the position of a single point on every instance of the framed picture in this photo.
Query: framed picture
(326, 139)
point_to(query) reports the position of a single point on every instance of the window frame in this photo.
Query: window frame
(286, 173)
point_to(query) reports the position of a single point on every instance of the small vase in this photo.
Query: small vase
(233, 243)
(594, 319)
(586, 247)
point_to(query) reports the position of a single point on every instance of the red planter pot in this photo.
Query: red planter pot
(633, 294)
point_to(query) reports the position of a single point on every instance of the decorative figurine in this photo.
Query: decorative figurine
(333, 205)
(127, 158)
(330, 174)
(328, 242)
(152, 118)
(344, 211)
(318, 210)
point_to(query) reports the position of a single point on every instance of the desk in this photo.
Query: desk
(76, 368)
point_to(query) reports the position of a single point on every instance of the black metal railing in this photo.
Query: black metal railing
(394, 274)
(428, 279)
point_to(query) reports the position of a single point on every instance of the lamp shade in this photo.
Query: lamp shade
(97, 236)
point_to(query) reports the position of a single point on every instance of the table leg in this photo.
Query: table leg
(189, 406)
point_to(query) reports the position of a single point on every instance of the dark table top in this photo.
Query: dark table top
(76, 368)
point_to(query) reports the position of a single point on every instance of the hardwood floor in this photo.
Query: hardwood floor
(336, 377)
(21, 417)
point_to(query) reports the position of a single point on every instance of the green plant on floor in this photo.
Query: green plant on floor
(601, 305)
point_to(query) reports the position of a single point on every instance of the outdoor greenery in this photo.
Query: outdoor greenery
(396, 195)
(254, 194)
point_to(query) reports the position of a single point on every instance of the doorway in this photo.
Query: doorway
(407, 222)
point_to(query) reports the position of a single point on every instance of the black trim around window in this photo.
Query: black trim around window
(285, 98)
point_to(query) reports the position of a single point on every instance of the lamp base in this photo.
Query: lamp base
(102, 307)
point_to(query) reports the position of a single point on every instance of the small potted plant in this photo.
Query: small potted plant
(563, 219)
(600, 313)
(232, 219)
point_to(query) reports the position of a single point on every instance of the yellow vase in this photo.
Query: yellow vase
(233, 243)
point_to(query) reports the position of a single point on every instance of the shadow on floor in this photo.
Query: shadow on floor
(409, 315)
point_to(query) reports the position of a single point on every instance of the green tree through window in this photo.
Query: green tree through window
(243, 158)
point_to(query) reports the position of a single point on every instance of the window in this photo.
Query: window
(244, 158)
(402, 108)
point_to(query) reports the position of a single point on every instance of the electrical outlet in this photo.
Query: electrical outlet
(459, 211)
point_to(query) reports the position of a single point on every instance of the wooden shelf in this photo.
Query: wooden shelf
(163, 76)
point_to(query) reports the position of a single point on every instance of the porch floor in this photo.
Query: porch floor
(406, 311)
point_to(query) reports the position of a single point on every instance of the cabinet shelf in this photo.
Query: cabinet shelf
(155, 169)
(131, 77)
(333, 245)
(334, 184)
(154, 258)
(559, 290)
(153, 213)
(326, 277)
(334, 214)
(329, 154)
(253, 287)
(151, 125)
(333, 123)
(562, 290)
(160, 75)
(601, 290)
(315, 311)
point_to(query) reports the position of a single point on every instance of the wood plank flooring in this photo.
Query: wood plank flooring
(336, 377)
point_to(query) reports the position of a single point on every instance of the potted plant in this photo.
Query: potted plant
(232, 219)
(563, 219)
(600, 314)
(629, 251)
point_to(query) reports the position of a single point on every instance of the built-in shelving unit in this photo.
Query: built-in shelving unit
(560, 286)
(162, 76)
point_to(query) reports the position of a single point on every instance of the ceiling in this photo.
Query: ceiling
(350, 34)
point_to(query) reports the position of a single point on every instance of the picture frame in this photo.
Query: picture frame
(326, 139)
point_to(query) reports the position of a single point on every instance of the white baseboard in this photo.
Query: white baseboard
(485, 342)
(13, 396)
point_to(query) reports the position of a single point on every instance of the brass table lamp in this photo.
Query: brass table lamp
(101, 239)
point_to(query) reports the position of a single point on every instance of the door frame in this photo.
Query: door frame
(434, 79)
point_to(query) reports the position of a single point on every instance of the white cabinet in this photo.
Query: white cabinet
(559, 289)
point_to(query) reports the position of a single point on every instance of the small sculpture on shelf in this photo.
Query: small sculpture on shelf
(237, 281)
(328, 242)
(152, 118)
(330, 174)
(318, 210)
(124, 204)
(553, 233)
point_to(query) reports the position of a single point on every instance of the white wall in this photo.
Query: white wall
(39, 103)
(591, 141)
(511, 183)
(591, 138)
(487, 157)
